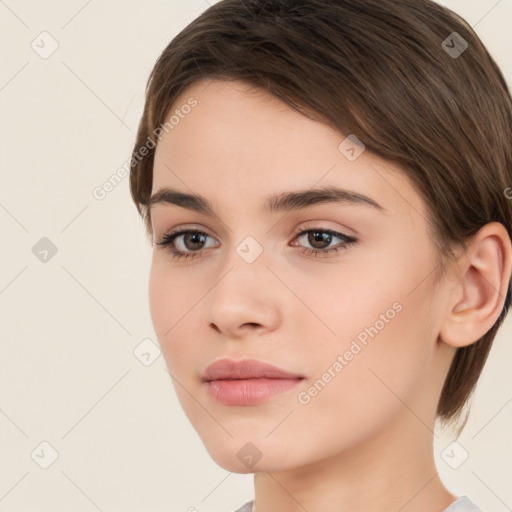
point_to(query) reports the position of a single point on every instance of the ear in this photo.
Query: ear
(482, 282)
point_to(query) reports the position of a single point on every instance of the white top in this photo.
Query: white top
(461, 504)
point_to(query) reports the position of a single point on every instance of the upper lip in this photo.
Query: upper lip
(224, 369)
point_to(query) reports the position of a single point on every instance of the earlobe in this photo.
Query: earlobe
(484, 276)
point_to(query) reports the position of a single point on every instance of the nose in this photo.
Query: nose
(245, 300)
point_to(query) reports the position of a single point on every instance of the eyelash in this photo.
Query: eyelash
(167, 240)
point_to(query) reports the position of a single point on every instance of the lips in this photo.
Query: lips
(246, 382)
(225, 369)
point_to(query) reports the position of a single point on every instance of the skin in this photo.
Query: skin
(365, 441)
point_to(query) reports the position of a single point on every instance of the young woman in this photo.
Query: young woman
(324, 183)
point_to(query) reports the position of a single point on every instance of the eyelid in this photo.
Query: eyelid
(183, 228)
(321, 225)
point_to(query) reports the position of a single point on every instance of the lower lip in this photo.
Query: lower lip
(247, 391)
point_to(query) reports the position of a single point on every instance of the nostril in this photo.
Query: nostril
(215, 327)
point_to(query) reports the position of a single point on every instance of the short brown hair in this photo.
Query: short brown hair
(391, 72)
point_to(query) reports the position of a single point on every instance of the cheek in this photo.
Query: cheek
(161, 302)
(169, 301)
(175, 305)
(172, 293)
(374, 383)
(382, 333)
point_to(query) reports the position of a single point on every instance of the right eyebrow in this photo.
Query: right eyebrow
(193, 202)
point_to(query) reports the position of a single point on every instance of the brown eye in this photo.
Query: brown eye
(194, 241)
(319, 239)
(185, 243)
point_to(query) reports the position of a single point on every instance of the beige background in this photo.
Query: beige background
(68, 372)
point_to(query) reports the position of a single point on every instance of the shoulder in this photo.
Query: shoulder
(462, 504)
(246, 508)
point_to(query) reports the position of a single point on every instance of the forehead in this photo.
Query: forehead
(237, 144)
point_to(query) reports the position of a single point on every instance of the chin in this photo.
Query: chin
(239, 455)
(235, 454)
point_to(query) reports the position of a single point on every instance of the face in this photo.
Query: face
(334, 289)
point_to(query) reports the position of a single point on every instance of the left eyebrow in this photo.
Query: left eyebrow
(305, 198)
(286, 201)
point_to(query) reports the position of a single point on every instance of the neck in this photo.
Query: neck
(381, 475)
